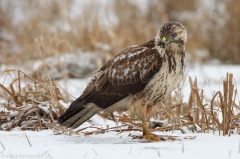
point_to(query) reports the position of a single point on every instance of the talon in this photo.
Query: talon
(152, 137)
(137, 137)
(147, 135)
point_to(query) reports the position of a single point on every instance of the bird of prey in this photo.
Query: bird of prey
(136, 79)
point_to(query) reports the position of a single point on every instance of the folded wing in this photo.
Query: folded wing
(125, 74)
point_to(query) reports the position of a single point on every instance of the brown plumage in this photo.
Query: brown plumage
(135, 79)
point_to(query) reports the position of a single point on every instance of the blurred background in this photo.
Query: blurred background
(38, 34)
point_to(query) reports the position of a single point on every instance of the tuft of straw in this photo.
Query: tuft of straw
(31, 107)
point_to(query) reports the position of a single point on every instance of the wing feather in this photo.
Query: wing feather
(127, 73)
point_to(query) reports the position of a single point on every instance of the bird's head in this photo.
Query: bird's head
(171, 32)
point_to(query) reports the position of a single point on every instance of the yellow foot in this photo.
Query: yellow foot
(151, 137)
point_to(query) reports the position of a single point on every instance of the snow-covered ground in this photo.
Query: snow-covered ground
(113, 145)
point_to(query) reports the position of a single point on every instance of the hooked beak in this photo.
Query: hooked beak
(164, 41)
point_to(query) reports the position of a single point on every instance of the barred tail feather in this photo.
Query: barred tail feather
(78, 112)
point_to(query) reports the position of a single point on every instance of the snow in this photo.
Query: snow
(45, 144)
(112, 145)
(210, 78)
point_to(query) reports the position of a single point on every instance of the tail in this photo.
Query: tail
(79, 111)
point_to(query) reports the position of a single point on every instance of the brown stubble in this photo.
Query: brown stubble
(229, 109)
(198, 111)
(29, 98)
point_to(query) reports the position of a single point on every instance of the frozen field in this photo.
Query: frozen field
(31, 30)
(116, 146)
(112, 145)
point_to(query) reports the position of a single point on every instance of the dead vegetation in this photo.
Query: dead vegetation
(49, 29)
(31, 103)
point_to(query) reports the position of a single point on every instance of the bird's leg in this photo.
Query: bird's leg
(148, 135)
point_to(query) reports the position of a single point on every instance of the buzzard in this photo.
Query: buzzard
(136, 79)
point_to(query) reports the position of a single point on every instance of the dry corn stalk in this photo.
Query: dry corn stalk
(228, 107)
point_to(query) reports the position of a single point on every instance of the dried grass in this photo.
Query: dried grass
(36, 106)
(226, 102)
(32, 106)
(42, 33)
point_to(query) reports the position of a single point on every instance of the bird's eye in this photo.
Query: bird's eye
(174, 35)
